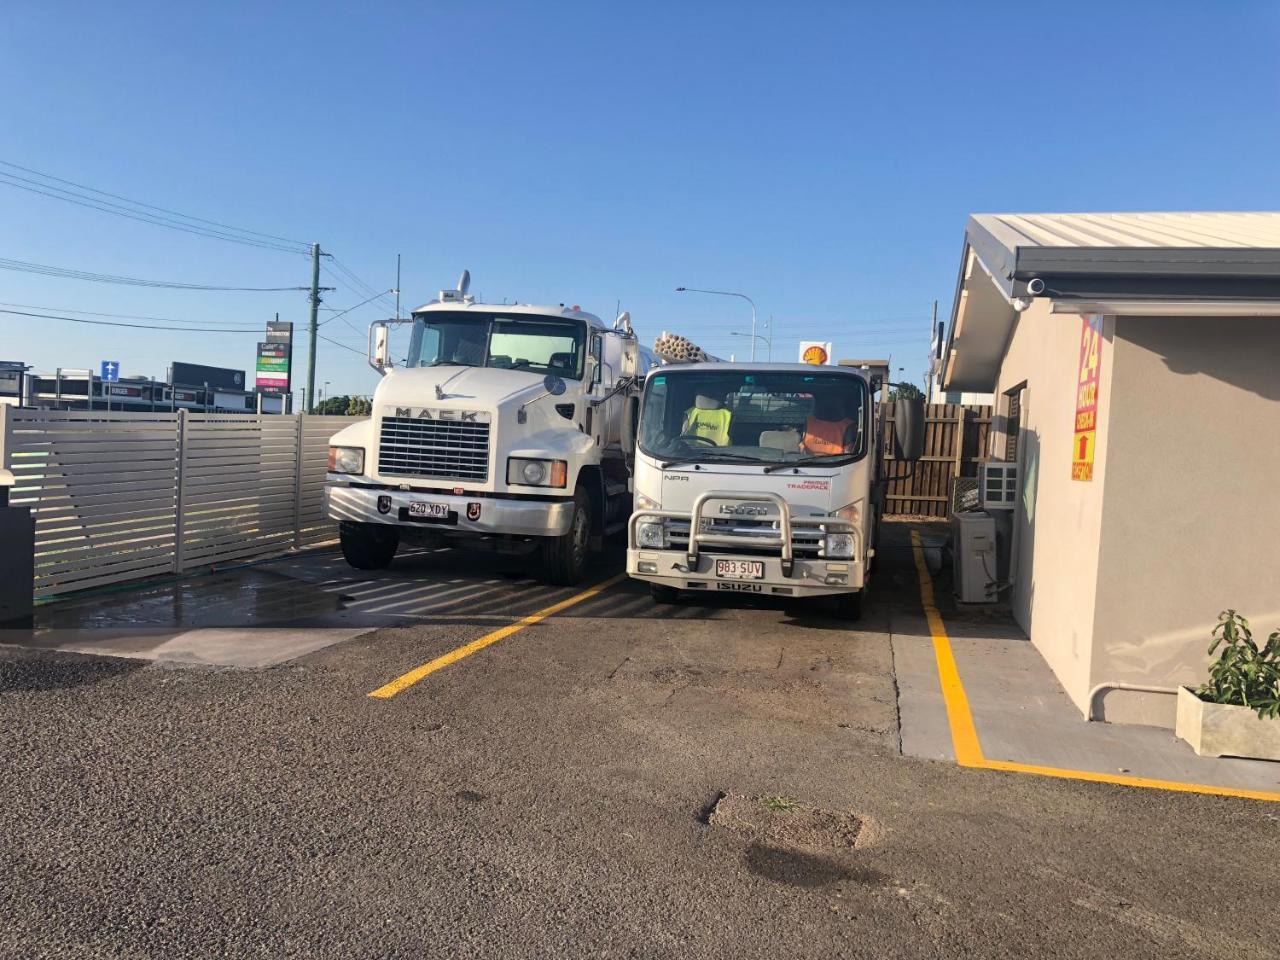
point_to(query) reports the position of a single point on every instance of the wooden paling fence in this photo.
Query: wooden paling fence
(954, 446)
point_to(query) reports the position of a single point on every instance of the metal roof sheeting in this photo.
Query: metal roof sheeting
(1189, 264)
(1135, 230)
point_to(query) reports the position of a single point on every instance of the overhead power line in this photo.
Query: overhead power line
(118, 316)
(136, 326)
(341, 315)
(70, 274)
(355, 280)
(337, 343)
(143, 212)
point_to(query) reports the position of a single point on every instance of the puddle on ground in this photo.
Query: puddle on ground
(242, 599)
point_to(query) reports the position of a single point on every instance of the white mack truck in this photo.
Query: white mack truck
(762, 479)
(502, 429)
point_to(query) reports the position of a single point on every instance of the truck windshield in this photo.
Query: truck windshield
(776, 417)
(508, 341)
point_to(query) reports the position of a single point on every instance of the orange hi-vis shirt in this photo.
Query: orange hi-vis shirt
(826, 436)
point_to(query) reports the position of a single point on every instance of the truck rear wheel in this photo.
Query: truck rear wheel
(368, 546)
(564, 558)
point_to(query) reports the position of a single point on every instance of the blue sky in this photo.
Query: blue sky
(820, 157)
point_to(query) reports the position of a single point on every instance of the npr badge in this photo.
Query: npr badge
(473, 511)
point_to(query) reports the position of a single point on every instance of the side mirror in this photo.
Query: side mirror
(553, 385)
(908, 429)
(630, 422)
(381, 346)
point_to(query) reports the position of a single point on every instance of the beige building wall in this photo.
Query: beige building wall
(1057, 529)
(1191, 523)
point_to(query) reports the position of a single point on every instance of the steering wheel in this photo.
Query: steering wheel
(696, 438)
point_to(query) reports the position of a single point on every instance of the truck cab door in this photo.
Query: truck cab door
(606, 418)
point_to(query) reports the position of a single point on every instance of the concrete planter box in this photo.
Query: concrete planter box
(1219, 730)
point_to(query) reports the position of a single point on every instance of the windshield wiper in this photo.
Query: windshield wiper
(804, 461)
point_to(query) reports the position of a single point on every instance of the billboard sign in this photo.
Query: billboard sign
(197, 375)
(273, 367)
(815, 352)
(275, 359)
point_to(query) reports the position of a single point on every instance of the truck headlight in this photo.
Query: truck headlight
(649, 534)
(346, 460)
(645, 503)
(839, 546)
(537, 473)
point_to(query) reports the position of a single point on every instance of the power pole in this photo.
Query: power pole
(933, 332)
(315, 309)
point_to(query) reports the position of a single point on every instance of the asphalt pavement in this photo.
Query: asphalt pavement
(556, 794)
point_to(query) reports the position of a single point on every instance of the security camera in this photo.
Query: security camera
(1035, 286)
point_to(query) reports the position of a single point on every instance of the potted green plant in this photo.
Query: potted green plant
(1237, 713)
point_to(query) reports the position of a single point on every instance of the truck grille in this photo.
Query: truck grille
(418, 447)
(805, 541)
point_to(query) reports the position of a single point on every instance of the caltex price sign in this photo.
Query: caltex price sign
(1090, 374)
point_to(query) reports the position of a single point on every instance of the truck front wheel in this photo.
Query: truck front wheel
(846, 606)
(564, 558)
(661, 593)
(368, 546)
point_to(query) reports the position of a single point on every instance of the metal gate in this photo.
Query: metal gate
(121, 496)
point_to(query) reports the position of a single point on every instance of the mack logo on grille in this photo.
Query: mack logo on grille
(432, 413)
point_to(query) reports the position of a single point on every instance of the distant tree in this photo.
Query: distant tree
(905, 391)
(359, 407)
(333, 406)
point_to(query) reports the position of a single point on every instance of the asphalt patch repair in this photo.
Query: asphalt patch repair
(795, 843)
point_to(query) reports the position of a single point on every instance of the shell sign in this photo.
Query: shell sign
(815, 352)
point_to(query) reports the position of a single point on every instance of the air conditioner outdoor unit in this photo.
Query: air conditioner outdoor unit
(999, 488)
(973, 540)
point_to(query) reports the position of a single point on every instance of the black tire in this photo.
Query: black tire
(368, 546)
(663, 594)
(846, 606)
(564, 559)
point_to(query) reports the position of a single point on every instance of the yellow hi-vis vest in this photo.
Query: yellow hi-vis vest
(712, 424)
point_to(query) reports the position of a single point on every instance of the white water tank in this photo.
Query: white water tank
(973, 538)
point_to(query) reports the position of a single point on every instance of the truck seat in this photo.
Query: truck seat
(788, 441)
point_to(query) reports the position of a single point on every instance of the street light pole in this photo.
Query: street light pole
(768, 342)
(730, 293)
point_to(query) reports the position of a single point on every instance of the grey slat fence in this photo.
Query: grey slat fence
(123, 496)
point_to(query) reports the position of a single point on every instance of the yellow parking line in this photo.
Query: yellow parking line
(964, 734)
(404, 681)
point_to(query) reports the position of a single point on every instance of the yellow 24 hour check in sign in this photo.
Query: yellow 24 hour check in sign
(1086, 432)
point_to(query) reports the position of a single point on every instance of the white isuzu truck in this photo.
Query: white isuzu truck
(762, 479)
(502, 429)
